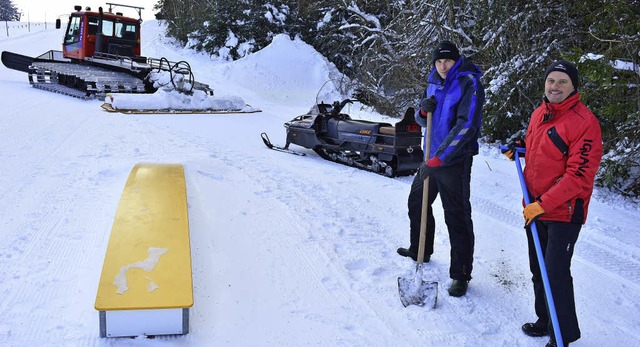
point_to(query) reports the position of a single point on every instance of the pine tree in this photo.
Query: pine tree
(221, 28)
(606, 50)
(183, 16)
(519, 40)
(8, 11)
(319, 25)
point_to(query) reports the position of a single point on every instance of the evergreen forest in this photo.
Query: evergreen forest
(383, 48)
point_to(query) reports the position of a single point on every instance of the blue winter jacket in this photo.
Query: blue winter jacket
(458, 115)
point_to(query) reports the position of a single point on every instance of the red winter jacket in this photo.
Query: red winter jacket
(563, 151)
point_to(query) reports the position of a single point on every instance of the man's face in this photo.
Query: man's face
(557, 87)
(443, 66)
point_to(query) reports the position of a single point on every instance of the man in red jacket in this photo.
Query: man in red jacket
(563, 150)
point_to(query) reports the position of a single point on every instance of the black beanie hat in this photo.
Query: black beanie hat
(445, 50)
(566, 67)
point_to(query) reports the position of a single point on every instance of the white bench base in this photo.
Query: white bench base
(124, 323)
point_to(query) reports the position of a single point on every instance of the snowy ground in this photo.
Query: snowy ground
(286, 250)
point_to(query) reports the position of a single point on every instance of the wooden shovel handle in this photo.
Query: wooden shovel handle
(425, 195)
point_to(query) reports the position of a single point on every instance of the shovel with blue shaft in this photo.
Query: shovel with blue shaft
(536, 241)
(415, 290)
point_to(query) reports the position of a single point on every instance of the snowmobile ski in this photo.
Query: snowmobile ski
(284, 149)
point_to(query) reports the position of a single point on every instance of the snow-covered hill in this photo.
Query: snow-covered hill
(286, 250)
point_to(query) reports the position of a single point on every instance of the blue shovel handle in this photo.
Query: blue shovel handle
(536, 242)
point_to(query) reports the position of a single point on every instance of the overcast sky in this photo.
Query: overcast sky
(38, 10)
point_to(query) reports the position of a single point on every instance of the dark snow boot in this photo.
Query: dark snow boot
(407, 252)
(458, 288)
(552, 343)
(535, 329)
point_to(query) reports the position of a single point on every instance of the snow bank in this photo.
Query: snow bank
(288, 71)
(173, 100)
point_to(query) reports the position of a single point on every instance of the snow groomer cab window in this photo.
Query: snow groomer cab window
(126, 31)
(73, 30)
(107, 28)
(93, 25)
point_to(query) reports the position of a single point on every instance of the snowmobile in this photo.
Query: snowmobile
(100, 56)
(374, 146)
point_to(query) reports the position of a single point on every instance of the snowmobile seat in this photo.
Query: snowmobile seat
(337, 126)
(387, 130)
(359, 127)
(146, 285)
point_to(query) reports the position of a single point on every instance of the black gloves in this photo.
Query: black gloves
(510, 150)
(427, 106)
(424, 171)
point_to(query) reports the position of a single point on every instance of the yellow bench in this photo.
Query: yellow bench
(146, 284)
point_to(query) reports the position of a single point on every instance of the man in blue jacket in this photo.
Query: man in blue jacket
(453, 98)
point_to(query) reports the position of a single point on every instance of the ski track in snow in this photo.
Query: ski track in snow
(346, 225)
(334, 286)
(40, 230)
(589, 248)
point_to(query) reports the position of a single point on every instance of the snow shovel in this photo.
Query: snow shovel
(417, 291)
(541, 263)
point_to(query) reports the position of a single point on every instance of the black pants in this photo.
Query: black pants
(453, 184)
(557, 241)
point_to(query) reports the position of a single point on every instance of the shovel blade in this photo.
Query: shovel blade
(415, 291)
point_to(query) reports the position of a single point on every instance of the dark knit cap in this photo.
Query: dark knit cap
(446, 50)
(566, 67)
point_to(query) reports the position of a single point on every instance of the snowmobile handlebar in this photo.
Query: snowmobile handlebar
(338, 106)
